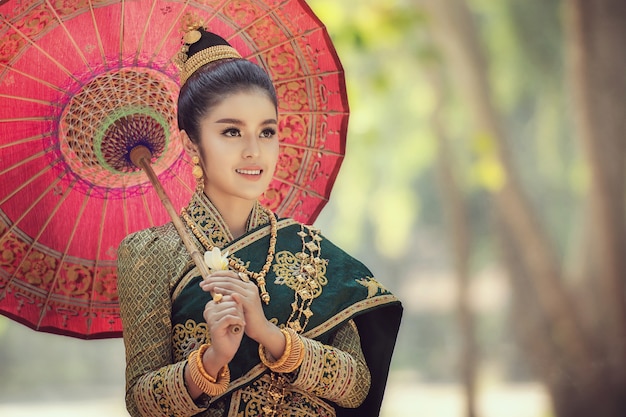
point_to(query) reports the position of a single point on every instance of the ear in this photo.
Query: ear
(189, 147)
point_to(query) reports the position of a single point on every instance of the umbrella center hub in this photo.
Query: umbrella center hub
(125, 132)
(108, 116)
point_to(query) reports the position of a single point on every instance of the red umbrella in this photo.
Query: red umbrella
(83, 81)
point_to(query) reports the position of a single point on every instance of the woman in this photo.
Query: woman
(317, 331)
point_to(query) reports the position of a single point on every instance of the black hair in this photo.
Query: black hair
(208, 86)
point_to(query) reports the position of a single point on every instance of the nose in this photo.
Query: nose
(251, 149)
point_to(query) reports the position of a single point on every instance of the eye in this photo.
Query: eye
(268, 133)
(231, 132)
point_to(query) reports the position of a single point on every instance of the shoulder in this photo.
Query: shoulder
(157, 251)
(160, 238)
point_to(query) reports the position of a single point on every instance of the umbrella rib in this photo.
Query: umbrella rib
(20, 188)
(299, 187)
(95, 26)
(305, 77)
(314, 112)
(71, 38)
(258, 18)
(23, 162)
(28, 210)
(217, 11)
(145, 30)
(169, 32)
(36, 238)
(41, 50)
(121, 55)
(27, 119)
(32, 77)
(30, 100)
(184, 183)
(285, 42)
(60, 262)
(97, 258)
(25, 140)
(311, 149)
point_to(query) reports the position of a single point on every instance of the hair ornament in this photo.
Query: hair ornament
(190, 25)
(200, 47)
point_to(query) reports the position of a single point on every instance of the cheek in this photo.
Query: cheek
(274, 151)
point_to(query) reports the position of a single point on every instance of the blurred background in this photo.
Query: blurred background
(483, 184)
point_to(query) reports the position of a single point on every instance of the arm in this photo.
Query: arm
(336, 372)
(154, 385)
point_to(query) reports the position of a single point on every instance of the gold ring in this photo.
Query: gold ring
(243, 276)
(218, 298)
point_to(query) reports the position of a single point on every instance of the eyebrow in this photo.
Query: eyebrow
(239, 122)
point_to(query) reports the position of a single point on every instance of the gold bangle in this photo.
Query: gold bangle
(291, 358)
(200, 363)
(272, 364)
(297, 354)
(210, 388)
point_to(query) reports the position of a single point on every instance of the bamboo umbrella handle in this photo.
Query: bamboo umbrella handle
(141, 157)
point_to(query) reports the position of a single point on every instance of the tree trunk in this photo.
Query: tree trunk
(579, 385)
(597, 34)
(455, 209)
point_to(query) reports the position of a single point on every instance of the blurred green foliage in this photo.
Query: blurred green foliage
(383, 192)
(389, 145)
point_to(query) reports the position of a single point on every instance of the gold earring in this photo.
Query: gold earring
(198, 174)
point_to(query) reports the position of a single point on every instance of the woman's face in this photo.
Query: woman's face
(238, 147)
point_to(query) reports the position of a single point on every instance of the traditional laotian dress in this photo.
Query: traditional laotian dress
(346, 319)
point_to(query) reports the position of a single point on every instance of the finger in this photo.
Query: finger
(243, 276)
(215, 312)
(220, 280)
(229, 287)
(238, 298)
(223, 274)
(225, 317)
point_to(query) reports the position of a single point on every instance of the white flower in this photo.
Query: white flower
(215, 260)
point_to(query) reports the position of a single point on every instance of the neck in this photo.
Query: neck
(235, 214)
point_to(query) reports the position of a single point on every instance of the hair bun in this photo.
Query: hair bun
(199, 48)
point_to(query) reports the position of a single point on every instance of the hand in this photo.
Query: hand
(245, 294)
(219, 318)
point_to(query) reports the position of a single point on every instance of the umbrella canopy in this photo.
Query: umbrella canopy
(81, 81)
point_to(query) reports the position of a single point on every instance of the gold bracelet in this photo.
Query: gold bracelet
(200, 363)
(271, 364)
(291, 358)
(210, 388)
(296, 357)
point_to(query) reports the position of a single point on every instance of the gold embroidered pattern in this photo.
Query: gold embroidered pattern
(338, 373)
(357, 387)
(305, 274)
(161, 392)
(253, 401)
(187, 338)
(147, 274)
(372, 286)
(208, 218)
